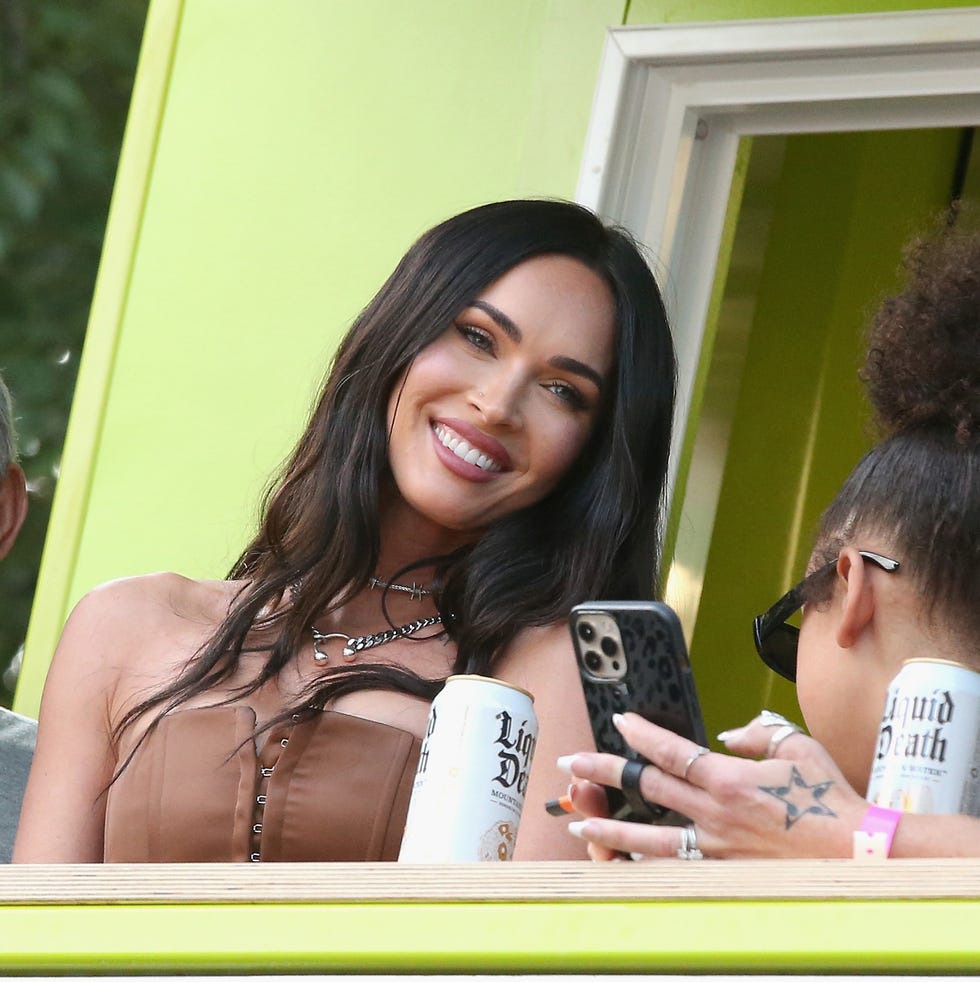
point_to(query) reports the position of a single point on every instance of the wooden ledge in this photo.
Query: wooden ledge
(668, 880)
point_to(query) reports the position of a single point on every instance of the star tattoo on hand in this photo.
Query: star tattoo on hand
(797, 802)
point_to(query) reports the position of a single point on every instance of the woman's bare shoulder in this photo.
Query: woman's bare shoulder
(158, 596)
(134, 615)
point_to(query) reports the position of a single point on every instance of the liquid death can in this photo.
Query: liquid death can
(928, 754)
(472, 774)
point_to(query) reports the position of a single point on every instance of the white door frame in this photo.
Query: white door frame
(672, 103)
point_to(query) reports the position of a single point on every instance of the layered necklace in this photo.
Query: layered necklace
(353, 646)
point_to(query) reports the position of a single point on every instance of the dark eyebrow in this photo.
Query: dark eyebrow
(564, 363)
(502, 320)
(561, 362)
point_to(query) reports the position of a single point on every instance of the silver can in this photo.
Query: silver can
(472, 774)
(928, 754)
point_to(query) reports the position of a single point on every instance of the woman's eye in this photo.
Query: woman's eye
(476, 336)
(567, 393)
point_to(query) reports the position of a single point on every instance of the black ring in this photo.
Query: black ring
(630, 783)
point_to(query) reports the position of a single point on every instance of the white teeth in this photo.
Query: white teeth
(464, 451)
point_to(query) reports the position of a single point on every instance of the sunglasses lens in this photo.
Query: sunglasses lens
(778, 650)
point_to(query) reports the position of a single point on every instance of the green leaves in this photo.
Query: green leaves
(66, 74)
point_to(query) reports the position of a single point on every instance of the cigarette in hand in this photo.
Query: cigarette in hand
(559, 806)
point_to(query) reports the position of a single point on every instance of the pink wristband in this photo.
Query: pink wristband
(874, 839)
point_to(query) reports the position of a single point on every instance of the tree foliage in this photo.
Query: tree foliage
(66, 74)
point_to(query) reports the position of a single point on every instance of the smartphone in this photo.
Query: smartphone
(632, 658)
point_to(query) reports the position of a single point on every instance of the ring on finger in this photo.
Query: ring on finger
(698, 753)
(629, 781)
(689, 844)
(786, 730)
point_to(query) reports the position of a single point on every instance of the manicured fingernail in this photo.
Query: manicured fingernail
(637, 856)
(727, 735)
(565, 763)
(769, 718)
(576, 828)
(618, 720)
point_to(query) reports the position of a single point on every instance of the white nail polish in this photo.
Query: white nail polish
(565, 763)
(617, 720)
(727, 735)
(576, 828)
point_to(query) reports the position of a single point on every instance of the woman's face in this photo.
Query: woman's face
(487, 418)
(839, 691)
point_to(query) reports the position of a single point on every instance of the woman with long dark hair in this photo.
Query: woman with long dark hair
(892, 591)
(490, 447)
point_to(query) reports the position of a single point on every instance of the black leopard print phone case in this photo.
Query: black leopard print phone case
(632, 658)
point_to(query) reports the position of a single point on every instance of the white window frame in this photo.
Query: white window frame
(672, 103)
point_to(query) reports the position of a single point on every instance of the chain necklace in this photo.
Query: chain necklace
(355, 645)
(416, 590)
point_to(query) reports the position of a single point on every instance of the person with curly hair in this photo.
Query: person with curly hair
(894, 576)
(489, 448)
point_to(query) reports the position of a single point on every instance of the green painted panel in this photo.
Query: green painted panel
(844, 205)
(826, 936)
(683, 11)
(281, 165)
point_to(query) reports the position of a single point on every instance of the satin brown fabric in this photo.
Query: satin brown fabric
(336, 788)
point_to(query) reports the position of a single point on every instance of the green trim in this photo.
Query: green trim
(671, 12)
(99, 353)
(717, 937)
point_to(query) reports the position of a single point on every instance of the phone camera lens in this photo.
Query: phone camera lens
(586, 631)
(592, 661)
(609, 646)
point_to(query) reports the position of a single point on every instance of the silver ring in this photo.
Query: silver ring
(697, 755)
(689, 844)
(786, 730)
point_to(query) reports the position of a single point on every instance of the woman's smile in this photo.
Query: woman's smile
(474, 449)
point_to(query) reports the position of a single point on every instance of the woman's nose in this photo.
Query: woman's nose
(498, 400)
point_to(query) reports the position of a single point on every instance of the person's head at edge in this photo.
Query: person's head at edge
(596, 533)
(13, 491)
(913, 498)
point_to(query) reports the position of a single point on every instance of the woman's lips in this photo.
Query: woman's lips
(469, 446)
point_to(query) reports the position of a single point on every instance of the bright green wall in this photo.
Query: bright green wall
(277, 163)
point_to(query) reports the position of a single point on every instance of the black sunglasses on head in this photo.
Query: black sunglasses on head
(775, 640)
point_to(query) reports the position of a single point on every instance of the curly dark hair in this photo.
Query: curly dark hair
(918, 490)
(923, 361)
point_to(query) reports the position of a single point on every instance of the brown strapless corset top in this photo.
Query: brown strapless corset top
(330, 788)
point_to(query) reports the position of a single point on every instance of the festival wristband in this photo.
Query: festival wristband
(874, 839)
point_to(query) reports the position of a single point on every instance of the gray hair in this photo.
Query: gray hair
(8, 436)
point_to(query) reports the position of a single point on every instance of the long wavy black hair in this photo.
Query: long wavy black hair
(596, 535)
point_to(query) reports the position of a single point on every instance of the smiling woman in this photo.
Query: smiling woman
(490, 447)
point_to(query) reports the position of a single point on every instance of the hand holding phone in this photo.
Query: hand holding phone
(632, 658)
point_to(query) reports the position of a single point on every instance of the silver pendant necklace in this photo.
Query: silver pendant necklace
(354, 646)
